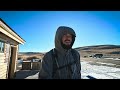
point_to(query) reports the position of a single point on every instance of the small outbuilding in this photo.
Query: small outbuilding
(9, 48)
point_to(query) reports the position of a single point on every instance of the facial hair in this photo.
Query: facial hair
(67, 47)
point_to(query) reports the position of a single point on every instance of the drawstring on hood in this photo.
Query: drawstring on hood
(62, 30)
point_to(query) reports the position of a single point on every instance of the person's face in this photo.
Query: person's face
(67, 39)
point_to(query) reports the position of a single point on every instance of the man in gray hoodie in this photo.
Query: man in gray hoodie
(62, 62)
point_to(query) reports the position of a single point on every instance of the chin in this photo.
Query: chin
(68, 44)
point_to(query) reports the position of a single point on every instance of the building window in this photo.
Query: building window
(2, 46)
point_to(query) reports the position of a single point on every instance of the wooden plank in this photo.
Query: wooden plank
(3, 73)
(2, 61)
(3, 66)
(3, 70)
(1, 54)
(3, 76)
(2, 57)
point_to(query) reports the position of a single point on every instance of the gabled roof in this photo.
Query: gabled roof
(10, 32)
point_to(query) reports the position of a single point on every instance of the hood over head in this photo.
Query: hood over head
(62, 30)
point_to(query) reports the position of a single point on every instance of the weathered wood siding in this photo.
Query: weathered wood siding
(3, 66)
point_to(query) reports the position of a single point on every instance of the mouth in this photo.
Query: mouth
(67, 41)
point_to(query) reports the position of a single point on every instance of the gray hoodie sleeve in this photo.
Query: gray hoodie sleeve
(78, 65)
(46, 67)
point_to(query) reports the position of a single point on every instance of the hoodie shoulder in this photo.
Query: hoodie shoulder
(76, 51)
(48, 54)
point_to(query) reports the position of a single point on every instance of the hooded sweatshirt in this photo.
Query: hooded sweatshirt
(64, 57)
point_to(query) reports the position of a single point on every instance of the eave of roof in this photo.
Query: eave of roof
(11, 32)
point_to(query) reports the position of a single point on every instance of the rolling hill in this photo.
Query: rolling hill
(107, 50)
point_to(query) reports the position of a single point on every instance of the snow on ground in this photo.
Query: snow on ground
(33, 76)
(27, 74)
(106, 63)
(99, 72)
(113, 58)
(88, 71)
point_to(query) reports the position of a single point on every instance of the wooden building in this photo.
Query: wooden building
(9, 46)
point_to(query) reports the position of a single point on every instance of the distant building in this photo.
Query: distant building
(97, 55)
(9, 46)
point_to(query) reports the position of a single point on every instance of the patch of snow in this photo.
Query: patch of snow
(116, 59)
(113, 58)
(33, 76)
(106, 63)
(99, 72)
(108, 58)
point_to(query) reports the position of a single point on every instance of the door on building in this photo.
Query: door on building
(10, 63)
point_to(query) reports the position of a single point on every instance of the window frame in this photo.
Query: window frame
(2, 46)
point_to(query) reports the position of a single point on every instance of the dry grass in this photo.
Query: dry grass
(106, 50)
(28, 57)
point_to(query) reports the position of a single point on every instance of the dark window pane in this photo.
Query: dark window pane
(1, 47)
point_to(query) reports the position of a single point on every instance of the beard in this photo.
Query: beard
(67, 47)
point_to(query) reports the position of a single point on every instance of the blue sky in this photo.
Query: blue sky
(38, 28)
